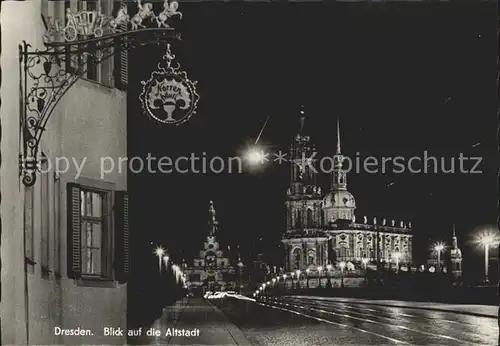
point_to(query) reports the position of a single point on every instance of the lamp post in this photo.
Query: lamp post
(240, 269)
(487, 241)
(438, 248)
(159, 252)
(342, 266)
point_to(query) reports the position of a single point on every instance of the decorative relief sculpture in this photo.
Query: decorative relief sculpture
(83, 25)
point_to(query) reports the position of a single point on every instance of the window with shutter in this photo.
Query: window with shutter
(73, 239)
(89, 233)
(92, 67)
(121, 63)
(122, 265)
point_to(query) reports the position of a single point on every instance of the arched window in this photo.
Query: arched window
(310, 221)
(311, 257)
(298, 222)
(322, 218)
(297, 258)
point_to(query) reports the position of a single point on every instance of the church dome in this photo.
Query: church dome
(339, 199)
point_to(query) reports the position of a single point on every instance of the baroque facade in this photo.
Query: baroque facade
(64, 246)
(211, 271)
(321, 228)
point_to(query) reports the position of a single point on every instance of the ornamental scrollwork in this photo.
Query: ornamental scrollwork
(70, 44)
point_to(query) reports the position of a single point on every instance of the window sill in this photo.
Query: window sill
(92, 281)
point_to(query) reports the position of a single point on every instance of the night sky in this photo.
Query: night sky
(402, 78)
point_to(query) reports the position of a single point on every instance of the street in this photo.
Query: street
(321, 321)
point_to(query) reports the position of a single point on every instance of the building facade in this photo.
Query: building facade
(321, 228)
(64, 240)
(212, 270)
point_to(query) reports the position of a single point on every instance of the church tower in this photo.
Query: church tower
(455, 256)
(212, 270)
(339, 204)
(305, 242)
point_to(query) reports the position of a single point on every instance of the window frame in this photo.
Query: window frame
(104, 69)
(106, 250)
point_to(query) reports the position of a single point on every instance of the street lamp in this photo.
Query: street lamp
(159, 251)
(256, 156)
(487, 241)
(240, 269)
(438, 248)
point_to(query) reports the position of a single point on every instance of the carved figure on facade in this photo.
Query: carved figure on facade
(169, 10)
(122, 17)
(144, 12)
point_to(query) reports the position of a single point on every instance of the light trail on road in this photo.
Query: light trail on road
(337, 324)
(416, 327)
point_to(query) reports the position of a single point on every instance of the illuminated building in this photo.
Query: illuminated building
(211, 271)
(321, 228)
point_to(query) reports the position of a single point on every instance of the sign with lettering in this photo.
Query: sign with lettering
(169, 96)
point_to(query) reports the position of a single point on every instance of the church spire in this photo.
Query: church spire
(302, 119)
(212, 219)
(454, 240)
(339, 174)
(338, 137)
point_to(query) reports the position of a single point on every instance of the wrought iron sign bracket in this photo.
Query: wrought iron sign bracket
(47, 75)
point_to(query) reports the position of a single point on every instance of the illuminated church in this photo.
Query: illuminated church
(321, 227)
(211, 271)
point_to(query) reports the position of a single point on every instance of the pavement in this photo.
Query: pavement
(194, 321)
(490, 311)
(326, 321)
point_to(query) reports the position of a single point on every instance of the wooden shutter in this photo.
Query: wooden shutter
(74, 255)
(121, 58)
(121, 216)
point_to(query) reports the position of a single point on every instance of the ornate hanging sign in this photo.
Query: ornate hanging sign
(169, 96)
